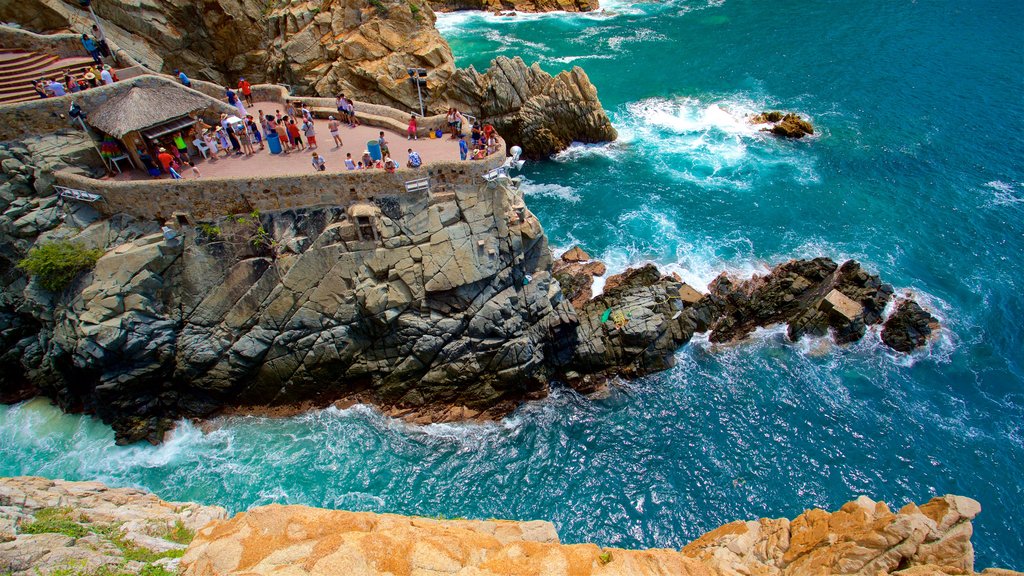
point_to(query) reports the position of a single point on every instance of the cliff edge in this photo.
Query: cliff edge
(107, 528)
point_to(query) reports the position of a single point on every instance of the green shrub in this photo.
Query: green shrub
(604, 558)
(56, 264)
(211, 231)
(381, 8)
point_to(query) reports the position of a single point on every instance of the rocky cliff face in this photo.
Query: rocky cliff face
(421, 302)
(863, 537)
(529, 107)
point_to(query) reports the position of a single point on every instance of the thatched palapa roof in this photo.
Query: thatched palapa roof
(142, 107)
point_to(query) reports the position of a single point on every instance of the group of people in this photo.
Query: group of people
(99, 74)
(71, 83)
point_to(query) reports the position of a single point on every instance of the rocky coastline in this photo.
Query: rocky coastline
(437, 307)
(51, 525)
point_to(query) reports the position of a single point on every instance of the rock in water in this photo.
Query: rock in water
(909, 327)
(529, 107)
(793, 126)
(575, 273)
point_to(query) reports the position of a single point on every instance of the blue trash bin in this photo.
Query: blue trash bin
(373, 147)
(274, 143)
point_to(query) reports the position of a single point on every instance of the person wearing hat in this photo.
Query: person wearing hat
(333, 125)
(90, 77)
(165, 159)
(319, 164)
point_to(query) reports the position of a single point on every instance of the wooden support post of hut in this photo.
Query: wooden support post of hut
(146, 113)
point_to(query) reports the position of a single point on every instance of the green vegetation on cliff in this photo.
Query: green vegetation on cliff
(56, 264)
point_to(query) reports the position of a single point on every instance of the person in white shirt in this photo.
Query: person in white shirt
(349, 163)
(106, 77)
(319, 164)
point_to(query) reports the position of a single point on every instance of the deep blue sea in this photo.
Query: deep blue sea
(917, 171)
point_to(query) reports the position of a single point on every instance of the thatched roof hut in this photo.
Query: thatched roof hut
(145, 107)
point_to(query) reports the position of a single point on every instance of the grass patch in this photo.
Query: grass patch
(179, 534)
(55, 520)
(381, 8)
(604, 558)
(56, 264)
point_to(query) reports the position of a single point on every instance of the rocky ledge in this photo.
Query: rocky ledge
(501, 6)
(48, 526)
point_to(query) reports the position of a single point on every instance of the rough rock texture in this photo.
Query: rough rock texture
(518, 5)
(575, 272)
(331, 47)
(909, 327)
(51, 525)
(418, 302)
(530, 108)
(788, 125)
(863, 537)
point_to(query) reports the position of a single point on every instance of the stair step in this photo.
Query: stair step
(26, 62)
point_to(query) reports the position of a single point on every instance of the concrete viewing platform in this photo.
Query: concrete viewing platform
(354, 140)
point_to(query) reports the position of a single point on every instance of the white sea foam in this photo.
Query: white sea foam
(641, 35)
(710, 142)
(566, 193)
(1004, 193)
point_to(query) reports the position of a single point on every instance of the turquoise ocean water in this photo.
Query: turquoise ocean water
(918, 171)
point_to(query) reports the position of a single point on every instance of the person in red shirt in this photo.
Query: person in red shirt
(165, 159)
(246, 89)
(295, 136)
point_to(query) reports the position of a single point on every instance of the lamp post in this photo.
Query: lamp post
(418, 76)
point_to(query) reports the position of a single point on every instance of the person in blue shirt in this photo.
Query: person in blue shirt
(184, 79)
(90, 46)
(414, 159)
(463, 147)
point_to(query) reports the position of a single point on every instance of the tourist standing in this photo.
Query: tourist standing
(307, 129)
(463, 148)
(254, 131)
(184, 79)
(246, 89)
(333, 125)
(295, 135)
(384, 151)
(90, 46)
(350, 107)
(165, 159)
(411, 130)
(282, 135)
(101, 41)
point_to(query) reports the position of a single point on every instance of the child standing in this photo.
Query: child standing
(411, 130)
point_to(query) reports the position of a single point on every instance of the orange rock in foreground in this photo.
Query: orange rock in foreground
(863, 537)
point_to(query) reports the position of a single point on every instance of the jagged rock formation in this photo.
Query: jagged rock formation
(331, 47)
(909, 327)
(575, 272)
(518, 5)
(788, 125)
(530, 108)
(47, 526)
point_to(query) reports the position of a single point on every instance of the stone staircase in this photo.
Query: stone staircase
(18, 68)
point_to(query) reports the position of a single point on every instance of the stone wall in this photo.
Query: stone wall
(62, 45)
(214, 197)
